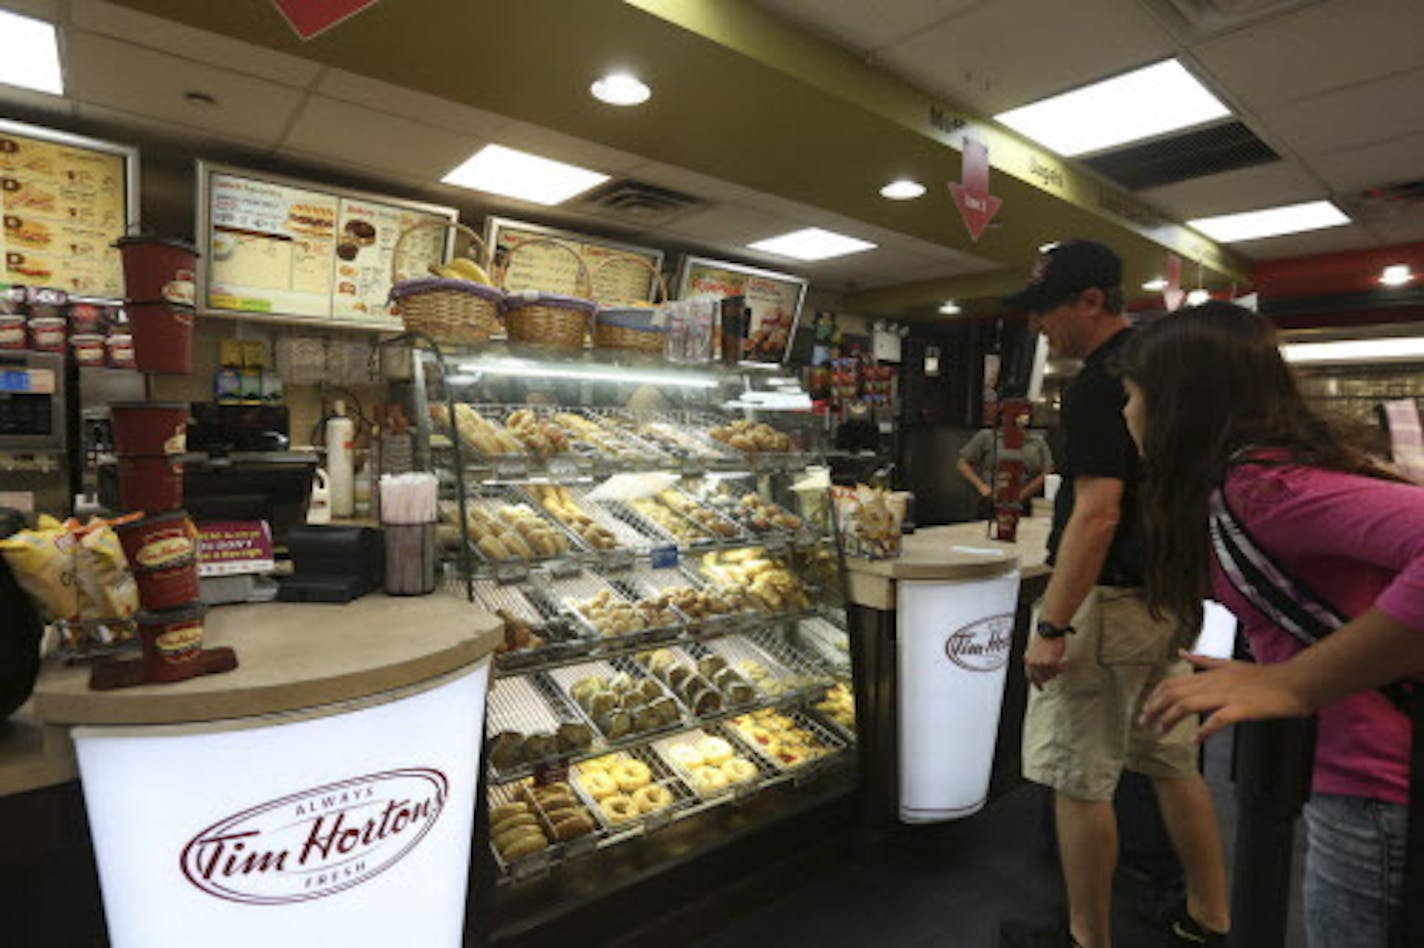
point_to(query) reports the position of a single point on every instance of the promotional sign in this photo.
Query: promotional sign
(352, 829)
(228, 547)
(976, 205)
(313, 17)
(954, 640)
(773, 301)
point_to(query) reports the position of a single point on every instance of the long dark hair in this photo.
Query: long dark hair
(1214, 384)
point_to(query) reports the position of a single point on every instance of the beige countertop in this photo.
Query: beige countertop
(957, 552)
(291, 656)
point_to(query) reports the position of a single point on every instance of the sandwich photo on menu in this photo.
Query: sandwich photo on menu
(313, 220)
(27, 232)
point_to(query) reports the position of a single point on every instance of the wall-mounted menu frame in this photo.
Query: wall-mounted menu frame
(773, 301)
(64, 200)
(626, 279)
(281, 249)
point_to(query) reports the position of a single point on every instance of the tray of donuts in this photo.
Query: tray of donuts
(704, 680)
(502, 528)
(631, 789)
(609, 609)
(700, 603)
(533, 629)
(787, 740)
(776, 668)
(618, 698)
(530, 723)
(532, 826)
(711, 764)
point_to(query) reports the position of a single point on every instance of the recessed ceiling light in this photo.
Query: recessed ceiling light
(1400, 349)
(812, 243)
(1197, 297)
(1396, 274)
(621, 88)
(950, 308)
(1155, 286)
(29, 54)
(1149, 101)
(1271, 221)
(518, 174)
(1044, 248)
(902, 189)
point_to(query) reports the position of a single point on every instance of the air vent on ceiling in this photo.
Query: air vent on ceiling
(1209, 17)
(637, 200)
(1391, 202)
(1192, 154)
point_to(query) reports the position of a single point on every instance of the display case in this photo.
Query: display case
(675, 632)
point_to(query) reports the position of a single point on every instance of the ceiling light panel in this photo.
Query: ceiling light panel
(1271, 221)
(1140, 104)
(1397, 349)
(29, 54)
(812, 243)
(518, 174)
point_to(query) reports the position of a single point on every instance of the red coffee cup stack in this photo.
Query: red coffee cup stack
(159, 284)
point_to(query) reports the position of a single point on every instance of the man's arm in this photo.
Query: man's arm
(972, 476)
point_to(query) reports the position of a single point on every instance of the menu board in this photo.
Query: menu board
(621, 274)
(289, 248)
(64, 200)
(773, 301)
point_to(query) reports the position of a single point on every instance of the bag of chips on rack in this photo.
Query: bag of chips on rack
(44, 565)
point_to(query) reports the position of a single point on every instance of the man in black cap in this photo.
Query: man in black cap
(1096, 652)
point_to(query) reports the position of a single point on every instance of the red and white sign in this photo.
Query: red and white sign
(313, 17)
(976, 205)
(1172, 294)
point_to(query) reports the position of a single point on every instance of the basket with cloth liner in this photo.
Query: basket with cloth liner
(639, 327)
(537, 318)
(461, 311)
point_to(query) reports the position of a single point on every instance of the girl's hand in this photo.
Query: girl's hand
(1228, 691)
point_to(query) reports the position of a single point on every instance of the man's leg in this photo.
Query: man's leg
(1190, 815)
(1087, 847)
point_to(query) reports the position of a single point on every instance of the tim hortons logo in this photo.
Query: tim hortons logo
(318, 842)
(982, 646)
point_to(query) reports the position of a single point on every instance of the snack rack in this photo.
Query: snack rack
(656, 514)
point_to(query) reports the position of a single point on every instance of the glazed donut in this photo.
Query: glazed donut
(652, 797)
(686, 756)
(715, 751)
(738, 770)
(631, 775)
(708, 779)
(511, 822)
(523, 846)
(502, 841)
(598, 784)
(618, 808)
(505, 810)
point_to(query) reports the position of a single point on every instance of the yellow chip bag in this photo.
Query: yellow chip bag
(43, 562)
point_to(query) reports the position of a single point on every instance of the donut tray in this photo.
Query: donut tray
(566, 677)
(688, 655)
(831, 743)
(536, 863)
(490, 498)
(516, 704)
(830, 642)
(788, 672)
(568, 592)
(662, 775)
(663, 432)
(627, 530)
(562, 636)
(665, 750)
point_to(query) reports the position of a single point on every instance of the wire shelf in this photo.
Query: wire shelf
(670, 749)
(786, 740)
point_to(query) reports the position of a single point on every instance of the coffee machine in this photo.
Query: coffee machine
(36, 469)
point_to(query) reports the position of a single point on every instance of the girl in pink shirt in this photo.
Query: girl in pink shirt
(1212, 405)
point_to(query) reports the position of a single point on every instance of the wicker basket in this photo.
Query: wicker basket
(547, 319)
(631, 328)
(450, 311)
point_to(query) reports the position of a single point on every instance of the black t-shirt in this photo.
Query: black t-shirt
(1097, 444)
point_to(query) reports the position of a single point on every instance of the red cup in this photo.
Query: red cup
(88, 348)
(12, 331)
(48, 333)
(150, 427)
(158, 268)
(162, 337)
(160, 541)
(169, 587)
(121, 354)
(152, 483)
(172, 642)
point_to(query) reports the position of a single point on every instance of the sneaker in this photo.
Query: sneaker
(1183, 931)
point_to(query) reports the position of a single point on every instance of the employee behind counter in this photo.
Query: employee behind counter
(978, 458)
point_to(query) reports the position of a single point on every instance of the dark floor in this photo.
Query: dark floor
(950, 886)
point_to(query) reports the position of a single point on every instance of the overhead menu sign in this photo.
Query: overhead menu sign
(773, 302)
(64, 200)
(279, 247)
(621, 274)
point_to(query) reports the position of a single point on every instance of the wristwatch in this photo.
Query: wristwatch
(1048, 630)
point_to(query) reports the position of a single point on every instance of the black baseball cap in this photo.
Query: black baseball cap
(1064, 270)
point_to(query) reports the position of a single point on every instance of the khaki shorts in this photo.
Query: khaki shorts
(1081, 730)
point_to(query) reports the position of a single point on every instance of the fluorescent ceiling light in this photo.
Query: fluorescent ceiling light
(950, 308)
(902, 189)
(585, 373)
(812, 243)
(1396, 274)
(1400, 349)
(1197, 297)
(621, 88)
(29, 54)
(518, 174)
(1155, 286)
(1149, 101)
(1270, 222)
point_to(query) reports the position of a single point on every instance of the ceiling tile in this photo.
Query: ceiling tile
(732, 225)
(39, 9)
(1360, 115)
(344, 132)
(548, 143)
(691, 182)
(1336, 43)
(172, 37)
(1330, 240)
(407, 103)
(1406, 228)
(1281, 182)
(118, 75)
(1354, 169)
(13, 97)
(118, 122)
(866, 24)
(1008, 53)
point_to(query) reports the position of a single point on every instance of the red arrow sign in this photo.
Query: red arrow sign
(976, 205)
(311, 17)
(1172, 294)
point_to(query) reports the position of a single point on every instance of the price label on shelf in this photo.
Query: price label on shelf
(508, 573)
(562, 468)
(664, 557)
(564, 569)
(618, 559)
(509, 468)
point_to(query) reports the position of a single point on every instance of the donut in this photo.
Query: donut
(504, 840)
(512, 822)
(598, 784)
(598, 764)
(557, 801)
(715, 751)
(708, 779)
(505, 810)
(686, 756)
(738, 770)
(652, 797)
(573, 826)
(631, 775)
(523, 846)
(618, 808)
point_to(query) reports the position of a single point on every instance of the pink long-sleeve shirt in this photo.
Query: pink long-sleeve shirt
(1358, 542)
